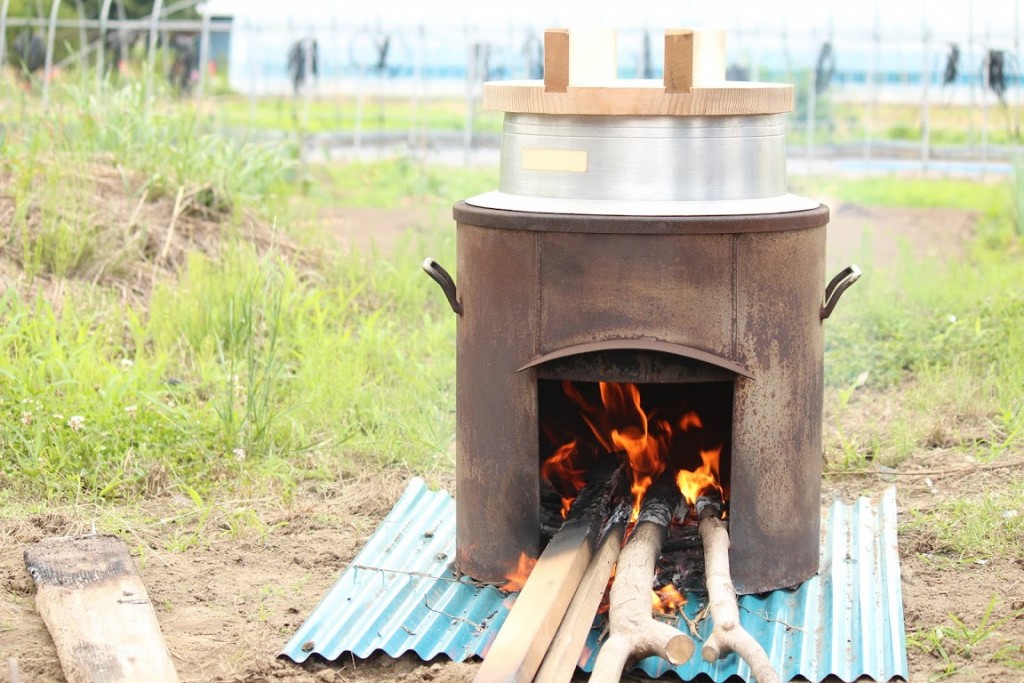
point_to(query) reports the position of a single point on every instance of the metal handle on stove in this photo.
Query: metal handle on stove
(447, 284)
(839, 284)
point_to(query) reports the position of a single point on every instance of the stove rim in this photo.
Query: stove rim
(466, 213)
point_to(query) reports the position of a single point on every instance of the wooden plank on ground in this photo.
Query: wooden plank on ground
(95, 606)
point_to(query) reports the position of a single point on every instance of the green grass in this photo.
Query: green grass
(945, 334)
(345, 114)
(974, 527)
(246, 370)
(247, 364)
(956, 642)
(395, 182)
(986, 197)
(232, 374)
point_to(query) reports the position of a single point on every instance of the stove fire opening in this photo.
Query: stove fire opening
(679, 430)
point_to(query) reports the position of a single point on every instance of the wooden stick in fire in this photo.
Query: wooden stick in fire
(728, 635)
(635, 634)
(519, 648)
(564, 653)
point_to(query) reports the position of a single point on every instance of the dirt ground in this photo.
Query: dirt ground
(228, 604)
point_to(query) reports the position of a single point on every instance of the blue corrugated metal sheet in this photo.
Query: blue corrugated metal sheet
(399, 595)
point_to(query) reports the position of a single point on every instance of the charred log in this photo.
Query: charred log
(634, 632)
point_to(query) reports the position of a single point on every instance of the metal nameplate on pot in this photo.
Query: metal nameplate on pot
(566, 160)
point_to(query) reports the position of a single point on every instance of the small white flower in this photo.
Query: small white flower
(951, 318)
(1010, 514)
(77, 422)
(26, 400)
(58, 416)
(131, 410)
(239, 454)
(26, 418)
(127, 363)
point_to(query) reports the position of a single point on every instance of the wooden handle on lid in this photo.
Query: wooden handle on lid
(581, 57)
(693, 59)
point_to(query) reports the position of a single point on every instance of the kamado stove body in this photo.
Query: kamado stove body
(642, 234)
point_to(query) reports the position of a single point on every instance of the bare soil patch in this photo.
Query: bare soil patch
(228, 601)
(881, 234)
(369, 228)
(131, 233)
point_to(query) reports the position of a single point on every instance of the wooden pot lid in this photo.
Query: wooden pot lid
(580, 69)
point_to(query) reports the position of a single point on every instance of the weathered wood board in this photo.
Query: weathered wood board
(96, 608)
(560, 662)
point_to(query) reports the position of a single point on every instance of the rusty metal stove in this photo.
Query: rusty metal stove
(644, 238)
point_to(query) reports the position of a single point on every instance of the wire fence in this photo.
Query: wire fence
(918, 95)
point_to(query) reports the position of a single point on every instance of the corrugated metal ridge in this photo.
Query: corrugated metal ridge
(400, 595)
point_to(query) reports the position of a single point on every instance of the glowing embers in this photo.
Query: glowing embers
(681, 428)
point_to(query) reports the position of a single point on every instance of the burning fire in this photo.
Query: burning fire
(619, 426)
(693, 484)
(622, 426)
(561, 465)
(667, 600)
(517, 579)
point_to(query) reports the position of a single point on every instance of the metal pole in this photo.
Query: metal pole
(985, 85)
(204, 54)
(154, 25)
(1016, 52)
(357, 134)
(970, 75)
(122, 34)
(869, 120)
(3, 33)
(50, 36)
(812, 95)
(926, 77)
(307, 86)
(83, 38)
(417, 90)
(101, 53)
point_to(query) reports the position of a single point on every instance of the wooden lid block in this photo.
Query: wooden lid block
(579, 58)
(693, 59)
(580, 68)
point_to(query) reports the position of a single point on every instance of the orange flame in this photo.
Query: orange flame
(620, 424)
(667, 600)
(517, 578)
(561, 468)
(704, 478)
(646, 450)
(691, 419)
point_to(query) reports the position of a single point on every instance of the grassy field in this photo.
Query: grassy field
(169, 332)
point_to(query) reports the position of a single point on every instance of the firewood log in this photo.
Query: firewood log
(728, 635)
(517, 651)
(635, 634)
